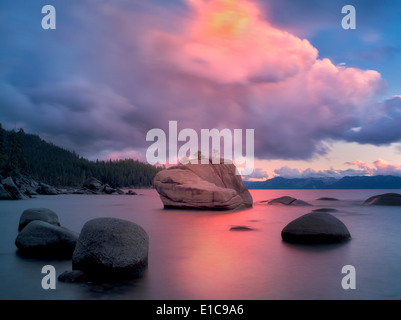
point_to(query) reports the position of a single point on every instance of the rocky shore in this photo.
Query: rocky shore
(24, 187)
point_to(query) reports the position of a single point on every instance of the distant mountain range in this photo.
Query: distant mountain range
(354, 182)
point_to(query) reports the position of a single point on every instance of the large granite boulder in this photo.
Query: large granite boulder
(202, 186)
(288, 201)
(109, 248)
(387, 199)
(315, 227)
(41, 214)
(40, 239)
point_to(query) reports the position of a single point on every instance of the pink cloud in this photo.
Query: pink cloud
(227, 41)
(215, 64)
(385, 168)
(227, 66)
(379, 167)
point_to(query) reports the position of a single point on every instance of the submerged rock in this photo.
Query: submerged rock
(202, 186)
(387, 199)
(110, 248)
(327, 199)
(315, 227)
(325, 210)
(40, 239)
(241, 228)
(288, 201)
(41, 214)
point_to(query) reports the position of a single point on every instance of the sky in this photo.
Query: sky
(323, 101)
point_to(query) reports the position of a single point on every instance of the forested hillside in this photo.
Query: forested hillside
(29, 154)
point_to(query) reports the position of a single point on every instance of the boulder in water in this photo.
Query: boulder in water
(202, 186)
(315, 227)
(327, 199)
(288, 201)
(110, 248)
(41, 214)
(40, 239)
(387, 199)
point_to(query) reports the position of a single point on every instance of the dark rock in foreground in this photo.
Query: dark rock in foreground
(40, 239)
(315, 228)
(289, 201)
(202, 186)
(110, 248)
(41, 214)
(387, 199)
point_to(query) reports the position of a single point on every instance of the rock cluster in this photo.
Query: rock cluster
(23, 187)
(105, 249)
(202, 186)
(94, 186)
(41, 236)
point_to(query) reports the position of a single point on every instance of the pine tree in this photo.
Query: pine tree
(2, 147)
(15, 161)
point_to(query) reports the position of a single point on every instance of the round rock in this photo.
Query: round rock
(41, 214)
(43, 240)
(387, 199)
(109, 248)
(315, 227)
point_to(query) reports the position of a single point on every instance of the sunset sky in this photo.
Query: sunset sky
(323, 101)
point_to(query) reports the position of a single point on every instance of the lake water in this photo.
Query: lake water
(194, 255)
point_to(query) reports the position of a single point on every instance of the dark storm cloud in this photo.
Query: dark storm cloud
(381, 128)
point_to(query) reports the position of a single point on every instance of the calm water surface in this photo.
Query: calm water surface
(194, 255)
